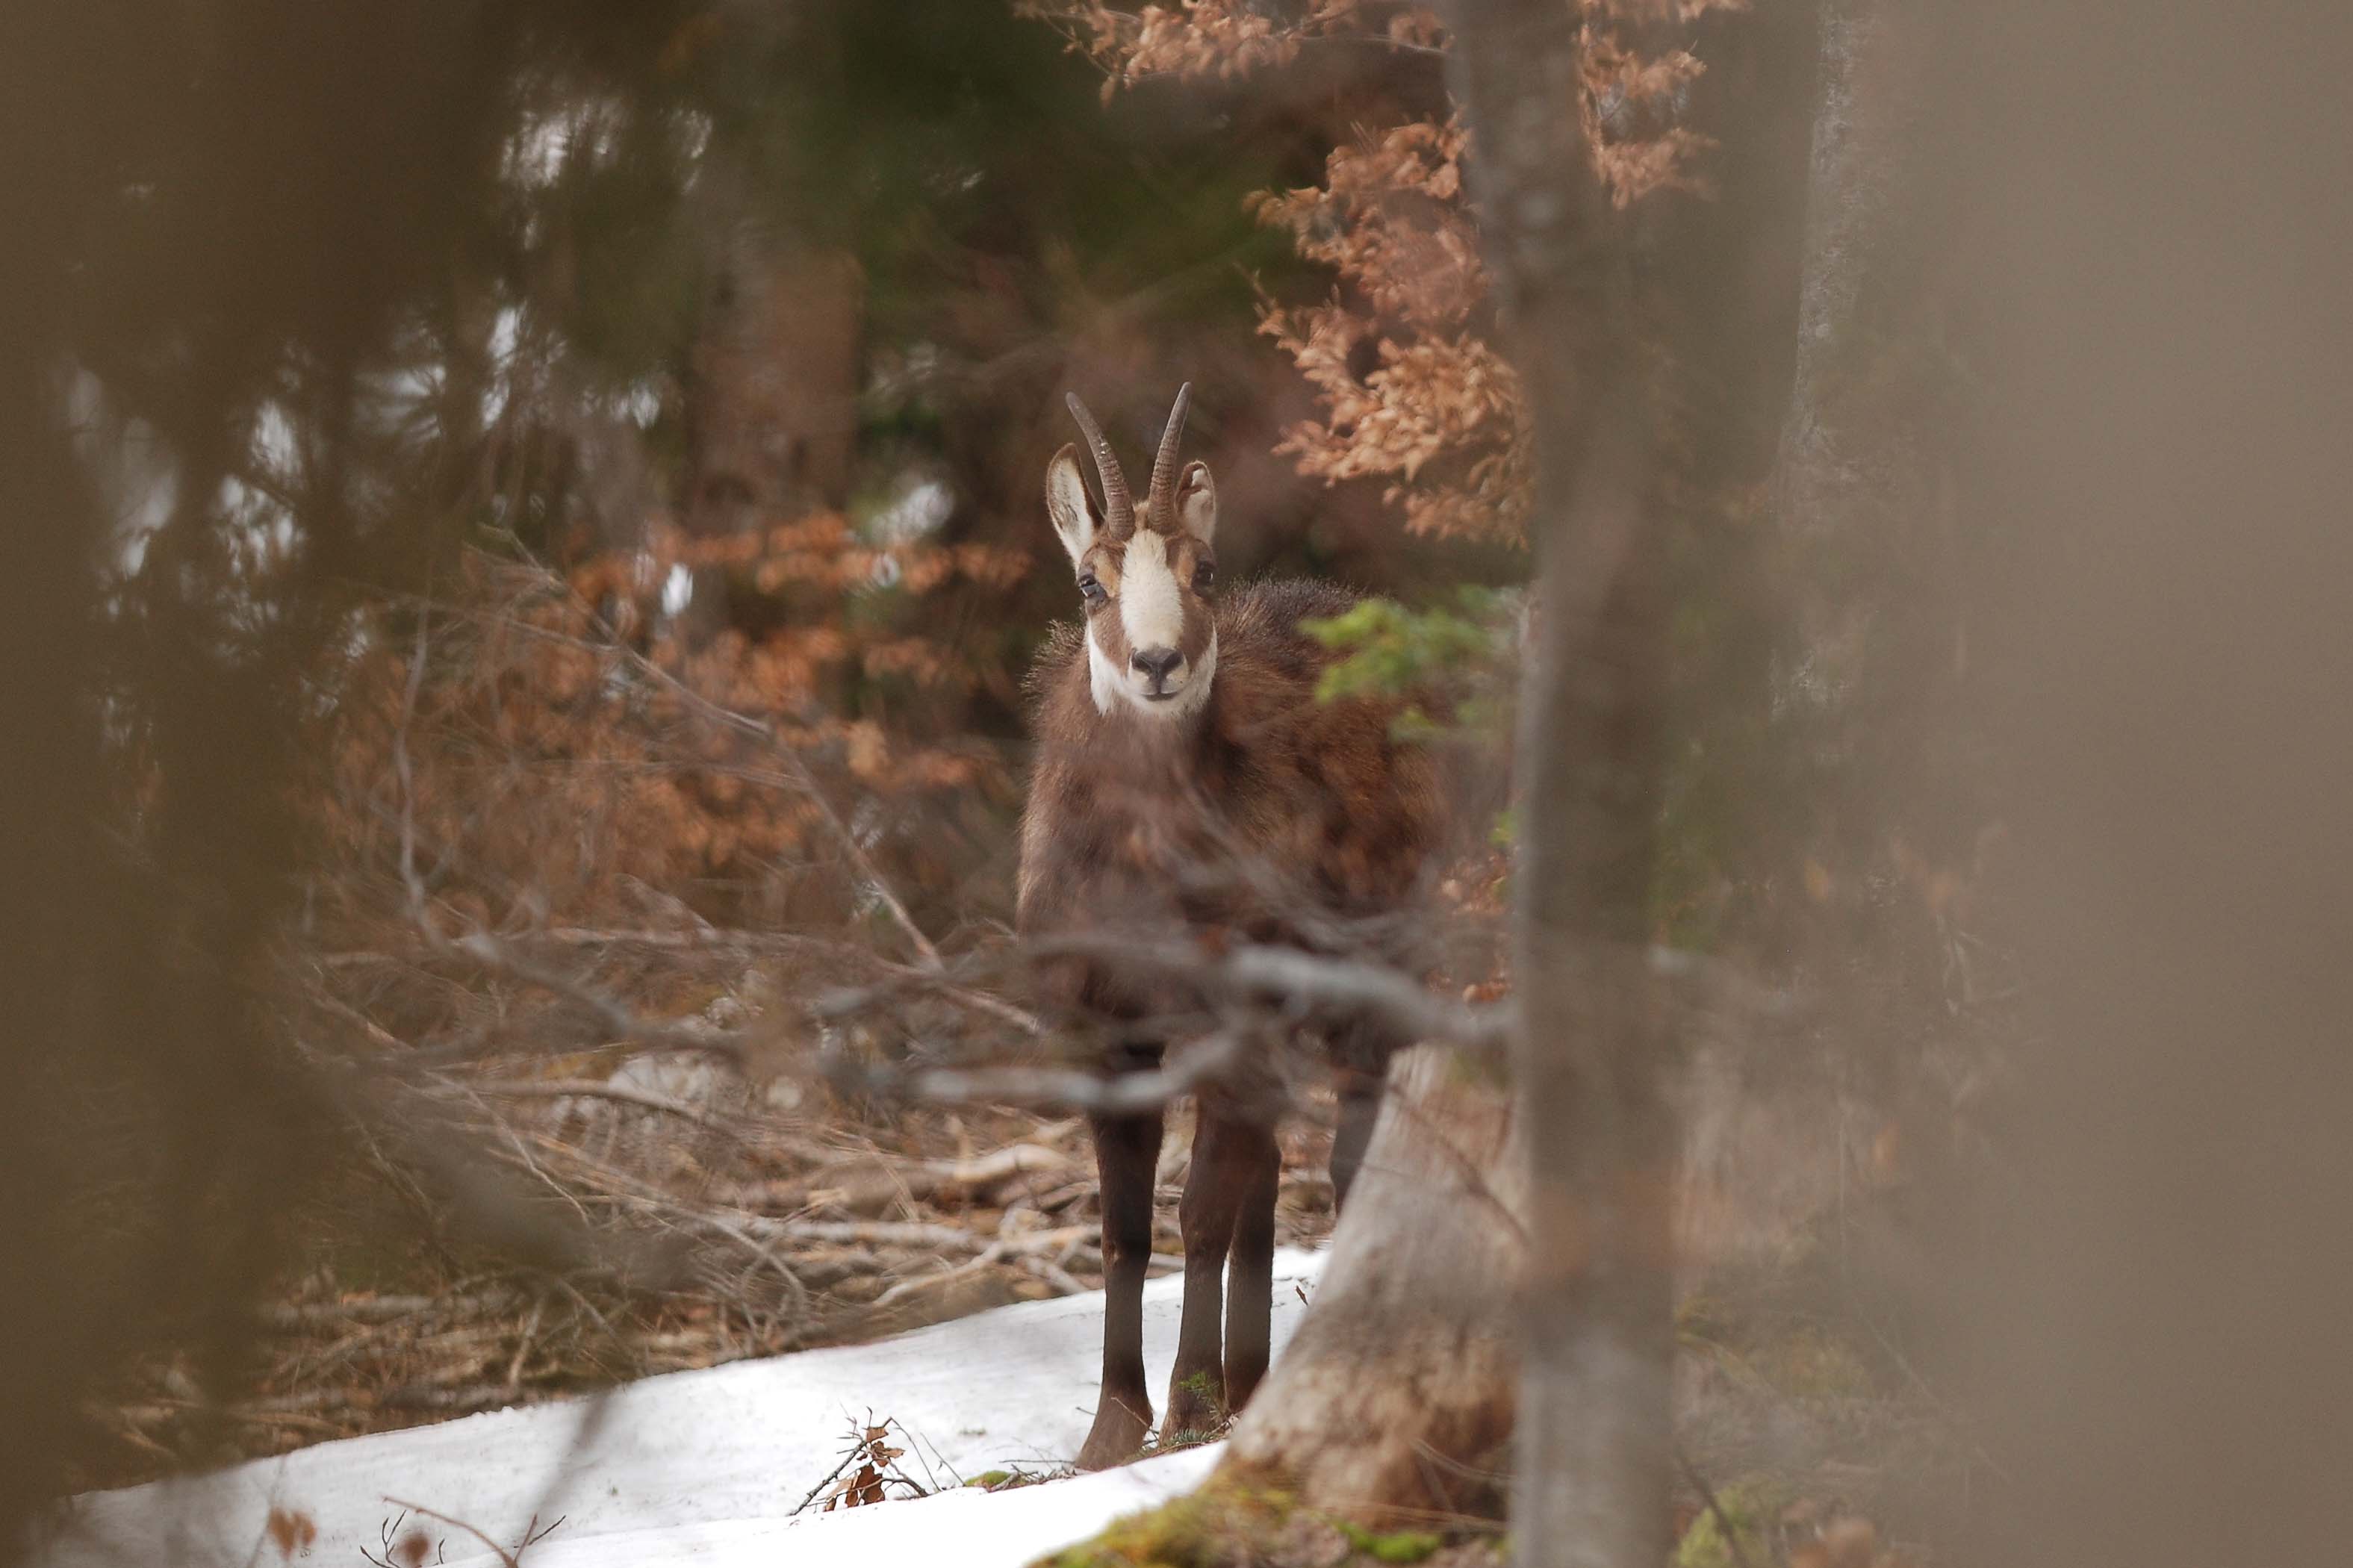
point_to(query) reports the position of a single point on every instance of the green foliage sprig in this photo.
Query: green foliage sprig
(1451, 661)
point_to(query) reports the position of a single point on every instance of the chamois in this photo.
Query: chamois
(1188, 785)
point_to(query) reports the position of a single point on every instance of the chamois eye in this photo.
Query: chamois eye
(1205, 577)
(1091, 590)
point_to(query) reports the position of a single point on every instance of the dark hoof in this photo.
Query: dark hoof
(1197, 1404)
(1119, 1429)
(1240, 1383)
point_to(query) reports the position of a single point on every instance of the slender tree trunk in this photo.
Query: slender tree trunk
(1401, 1380)
(771, 408)
(1862, 495)
(1596, 1314)
(775, 390)
(1855, 169)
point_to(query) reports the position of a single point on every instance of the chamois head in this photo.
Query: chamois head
(1148, 581)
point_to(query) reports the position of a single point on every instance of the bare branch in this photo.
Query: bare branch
(685, 1034)
(591, 1088)
(531, 1534)
(406, 773)
(1730, 1531)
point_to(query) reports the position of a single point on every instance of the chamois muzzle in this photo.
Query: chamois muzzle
(1156, 665)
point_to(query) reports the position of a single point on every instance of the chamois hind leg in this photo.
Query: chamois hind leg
(1226, 1163)
(1249, 1284)
(1127, 1151)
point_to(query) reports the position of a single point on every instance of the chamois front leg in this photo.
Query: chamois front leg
(1228, 1157)
(1127, 1151)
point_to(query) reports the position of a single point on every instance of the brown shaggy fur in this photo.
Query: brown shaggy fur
(1265, 798)
(1266, 816)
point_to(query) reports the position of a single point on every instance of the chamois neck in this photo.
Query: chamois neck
(1116, 701)
(1123, 739)
(1127, 732)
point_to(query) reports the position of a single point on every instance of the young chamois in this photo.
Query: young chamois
(1188, 785)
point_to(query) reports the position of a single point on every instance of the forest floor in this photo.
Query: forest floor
(949, 1444)
(386, 1317)
(809, 1230)
(964, 1427)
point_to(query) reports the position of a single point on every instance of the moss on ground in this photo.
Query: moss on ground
(1396, 1546)
(1246, 1521)
(1213, 1527)
(1811, 1363)
(1750, 1505)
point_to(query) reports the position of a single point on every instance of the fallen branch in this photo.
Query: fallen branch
(879, 1181)
(592, 1088)
(303, 1317)
(684, 1033)
(919, 1238)
(531, 1533)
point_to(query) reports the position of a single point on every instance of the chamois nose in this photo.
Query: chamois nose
(1157, 664)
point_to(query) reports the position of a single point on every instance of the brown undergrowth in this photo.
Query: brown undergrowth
(388, 1315)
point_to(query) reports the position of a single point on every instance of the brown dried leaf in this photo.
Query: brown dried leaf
(291, 1531)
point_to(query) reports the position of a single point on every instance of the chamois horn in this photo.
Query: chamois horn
(1160, 500)
(1119, 510)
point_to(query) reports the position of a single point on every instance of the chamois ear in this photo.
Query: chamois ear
(1068, 504)
(1197, 502)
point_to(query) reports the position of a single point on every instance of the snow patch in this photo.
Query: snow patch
(706, 1467)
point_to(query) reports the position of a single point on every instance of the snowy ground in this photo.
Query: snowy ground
(705, 1468)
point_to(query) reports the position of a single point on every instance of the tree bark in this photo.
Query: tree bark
(771, 410)
(774, 392)
(1829, 475)
(1594, 1449)
(1401, 1380)
(1862, 490)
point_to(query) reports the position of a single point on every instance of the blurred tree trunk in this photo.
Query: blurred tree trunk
(1855, 478)
(1832, 473)
(1409, 1360)
(1864, 498)
(772, 401)
(1592, 1474)
(2158, 228)
(1400, 1379)
(771, 406)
